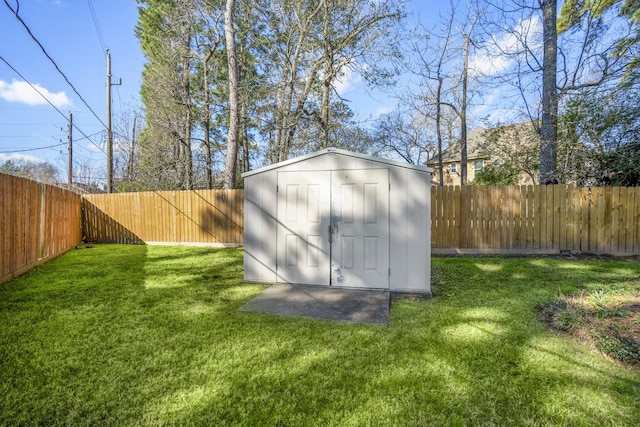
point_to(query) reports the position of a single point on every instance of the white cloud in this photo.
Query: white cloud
(347, 81)
(382, 110)
(22, 92)
(507, 47)
(18, 156)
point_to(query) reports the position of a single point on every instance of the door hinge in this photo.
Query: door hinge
(389, 271)
(389, 186)
(330, 234)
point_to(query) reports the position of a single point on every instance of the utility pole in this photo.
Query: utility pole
(70, 135)
(109, 131)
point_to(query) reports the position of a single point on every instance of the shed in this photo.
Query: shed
(338, 218)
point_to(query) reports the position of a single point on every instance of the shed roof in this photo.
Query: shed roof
(339, 152)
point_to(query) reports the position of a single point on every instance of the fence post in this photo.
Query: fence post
(42, 225)
(462, 217)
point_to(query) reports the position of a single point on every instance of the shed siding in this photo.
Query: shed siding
(260, 228)
(409, 213)
(410, 216)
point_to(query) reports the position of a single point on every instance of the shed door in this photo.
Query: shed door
(355, 203)
(302, 241)
(360, 228)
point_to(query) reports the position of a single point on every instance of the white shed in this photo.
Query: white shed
(338, 218)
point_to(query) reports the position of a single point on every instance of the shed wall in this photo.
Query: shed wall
(410, 244)
(409, 200)
(260, 228)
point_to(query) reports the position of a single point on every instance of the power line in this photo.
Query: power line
(95, 23)
(46, 99)
(21, 136)
(25, 124)
(15, 12)
(87, 137)
(32, 149)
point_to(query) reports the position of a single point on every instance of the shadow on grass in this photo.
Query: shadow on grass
(158, 339)
(500, 368)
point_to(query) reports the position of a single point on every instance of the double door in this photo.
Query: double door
(333, 228)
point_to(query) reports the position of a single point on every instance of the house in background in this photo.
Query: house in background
(513, 138)
(476, 160)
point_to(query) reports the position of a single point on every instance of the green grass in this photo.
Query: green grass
(146, 335)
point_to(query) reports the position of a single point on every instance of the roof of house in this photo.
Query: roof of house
(452, 152)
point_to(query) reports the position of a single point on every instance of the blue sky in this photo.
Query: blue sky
(70, 35)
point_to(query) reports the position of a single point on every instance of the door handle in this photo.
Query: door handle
(330, 233)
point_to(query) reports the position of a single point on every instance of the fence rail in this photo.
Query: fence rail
(199, 216)
(38, 222)
(536, 218)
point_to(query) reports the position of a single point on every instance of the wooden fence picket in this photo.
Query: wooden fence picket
(198, 216)
(536, 218)
(37, 222)
(40, 221)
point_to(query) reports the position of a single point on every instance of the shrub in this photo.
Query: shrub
(611, 342)
(605, 313)
(563, 315)
(569, 318)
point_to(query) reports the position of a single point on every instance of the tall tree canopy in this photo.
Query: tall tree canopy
(263, 73)
(234, 84)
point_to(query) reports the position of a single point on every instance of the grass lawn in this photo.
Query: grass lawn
(147, 335)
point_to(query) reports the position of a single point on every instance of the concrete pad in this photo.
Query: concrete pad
(321, 302)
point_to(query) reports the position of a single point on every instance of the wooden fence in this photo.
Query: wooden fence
(171, 217)
(37, 222)
(41, 221)
(536, 219)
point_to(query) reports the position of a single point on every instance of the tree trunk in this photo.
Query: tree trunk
(188, 156)
(246, 167)
(207, 121)
(186, 159)
(438, 129)
(549, 128)
(234, 116)
(463, 114)
(326, 105)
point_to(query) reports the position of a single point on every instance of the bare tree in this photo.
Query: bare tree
(436, 67)
(404, 136)
(351, 31)
(311, 46)
(544, 66)
(127, 154)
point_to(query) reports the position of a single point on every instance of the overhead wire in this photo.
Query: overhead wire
(87, 137)
(96, 24)
(15, 12)
(32, 149)
(101, 39)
